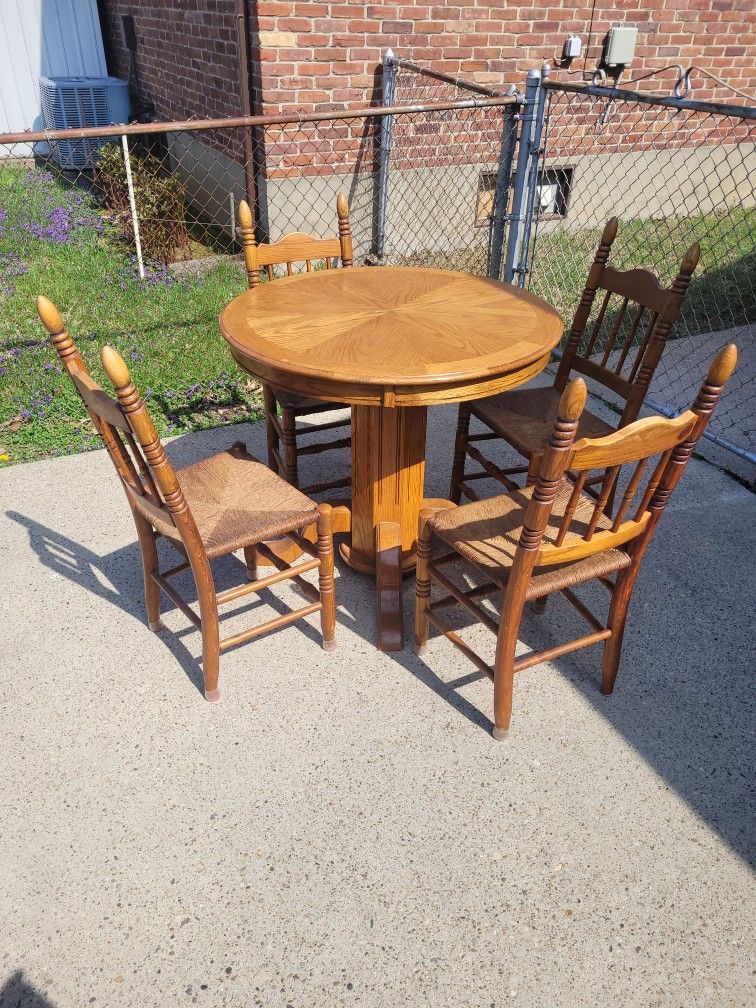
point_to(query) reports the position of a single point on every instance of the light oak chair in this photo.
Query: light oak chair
(209, 509)
(630, 330)
(549, 536)
(259, 260)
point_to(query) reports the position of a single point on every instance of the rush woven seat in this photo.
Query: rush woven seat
(487, 533)
(551, 537)
(283, 434)
(527, 416)
(236, 500)
(619, 347)
(211, 508)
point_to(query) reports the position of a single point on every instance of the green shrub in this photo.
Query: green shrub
(160, 202)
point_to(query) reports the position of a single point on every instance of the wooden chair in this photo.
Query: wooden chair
(631, 350)
(259, 259)
(209, 509)
(549, 536)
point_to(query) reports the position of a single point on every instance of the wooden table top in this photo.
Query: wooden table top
(390, 335)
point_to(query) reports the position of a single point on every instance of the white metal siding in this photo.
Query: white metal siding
(53, 38)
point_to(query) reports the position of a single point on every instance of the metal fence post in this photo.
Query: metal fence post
(388, 90)
(501, 195)
(527, 118)
(534, 159)
(132, 205)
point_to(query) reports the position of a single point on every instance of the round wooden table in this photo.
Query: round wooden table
(391, 341)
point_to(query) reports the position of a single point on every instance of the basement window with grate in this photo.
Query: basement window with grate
(552, 195)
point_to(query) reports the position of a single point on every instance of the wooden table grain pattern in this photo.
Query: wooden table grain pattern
(391, 341)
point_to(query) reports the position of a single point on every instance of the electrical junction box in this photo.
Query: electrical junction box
(620, 45)
(572, 47)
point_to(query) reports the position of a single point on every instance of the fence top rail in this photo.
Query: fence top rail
(669, 101)
(458, 82)
(187, 125)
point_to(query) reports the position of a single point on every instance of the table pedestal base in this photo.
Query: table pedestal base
(388, 470)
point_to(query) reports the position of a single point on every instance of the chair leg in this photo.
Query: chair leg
(210, 628)
(325, 577)
(506, 643)
(532, 476)
(271, 434)
(150, 566)
(538, 606)
(423, 583)
(616, 623)
(250, 559)
(460, 452)
(289, 430)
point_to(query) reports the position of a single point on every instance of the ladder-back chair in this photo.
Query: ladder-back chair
(261, 260)
(629, 330)
(549, 536)
(209, 509)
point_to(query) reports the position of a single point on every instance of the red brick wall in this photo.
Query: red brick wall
(187, 55)
(315, 54)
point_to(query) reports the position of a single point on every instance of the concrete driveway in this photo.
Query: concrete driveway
(341, 829)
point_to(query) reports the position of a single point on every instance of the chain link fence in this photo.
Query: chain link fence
(437, 192)
(674, 175)
(432, 179)
(134, 236)
(171, 191)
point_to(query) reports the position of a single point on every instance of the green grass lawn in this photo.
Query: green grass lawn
(722, 293)
(54, 241)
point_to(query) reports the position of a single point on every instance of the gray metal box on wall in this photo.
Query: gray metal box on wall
(620, 45)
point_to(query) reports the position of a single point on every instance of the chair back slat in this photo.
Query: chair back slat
(110, 412)
(612, 337)
(163, 498)
(629, 444)
(597, 324)
(640, 350)
(631, 338)
(638, 285)
(297, 247)
(561, 526)
(569, 511)
(105, 414)
(148, 483)
(653, 482)
(586, 528)
(629, 494)
(610, 479)
(294, 248)
(98, 401)
(630, 343)
(130, 461)
(128, 433)
(606, 377)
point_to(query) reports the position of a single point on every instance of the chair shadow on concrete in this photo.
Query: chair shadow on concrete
(685, 708)
(17, 992)
(690, 725)
(116, 578)
(683, 699)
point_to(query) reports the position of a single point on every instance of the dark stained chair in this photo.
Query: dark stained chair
(550, 537)
(214, 507)
(261, 260)
(630, 329)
